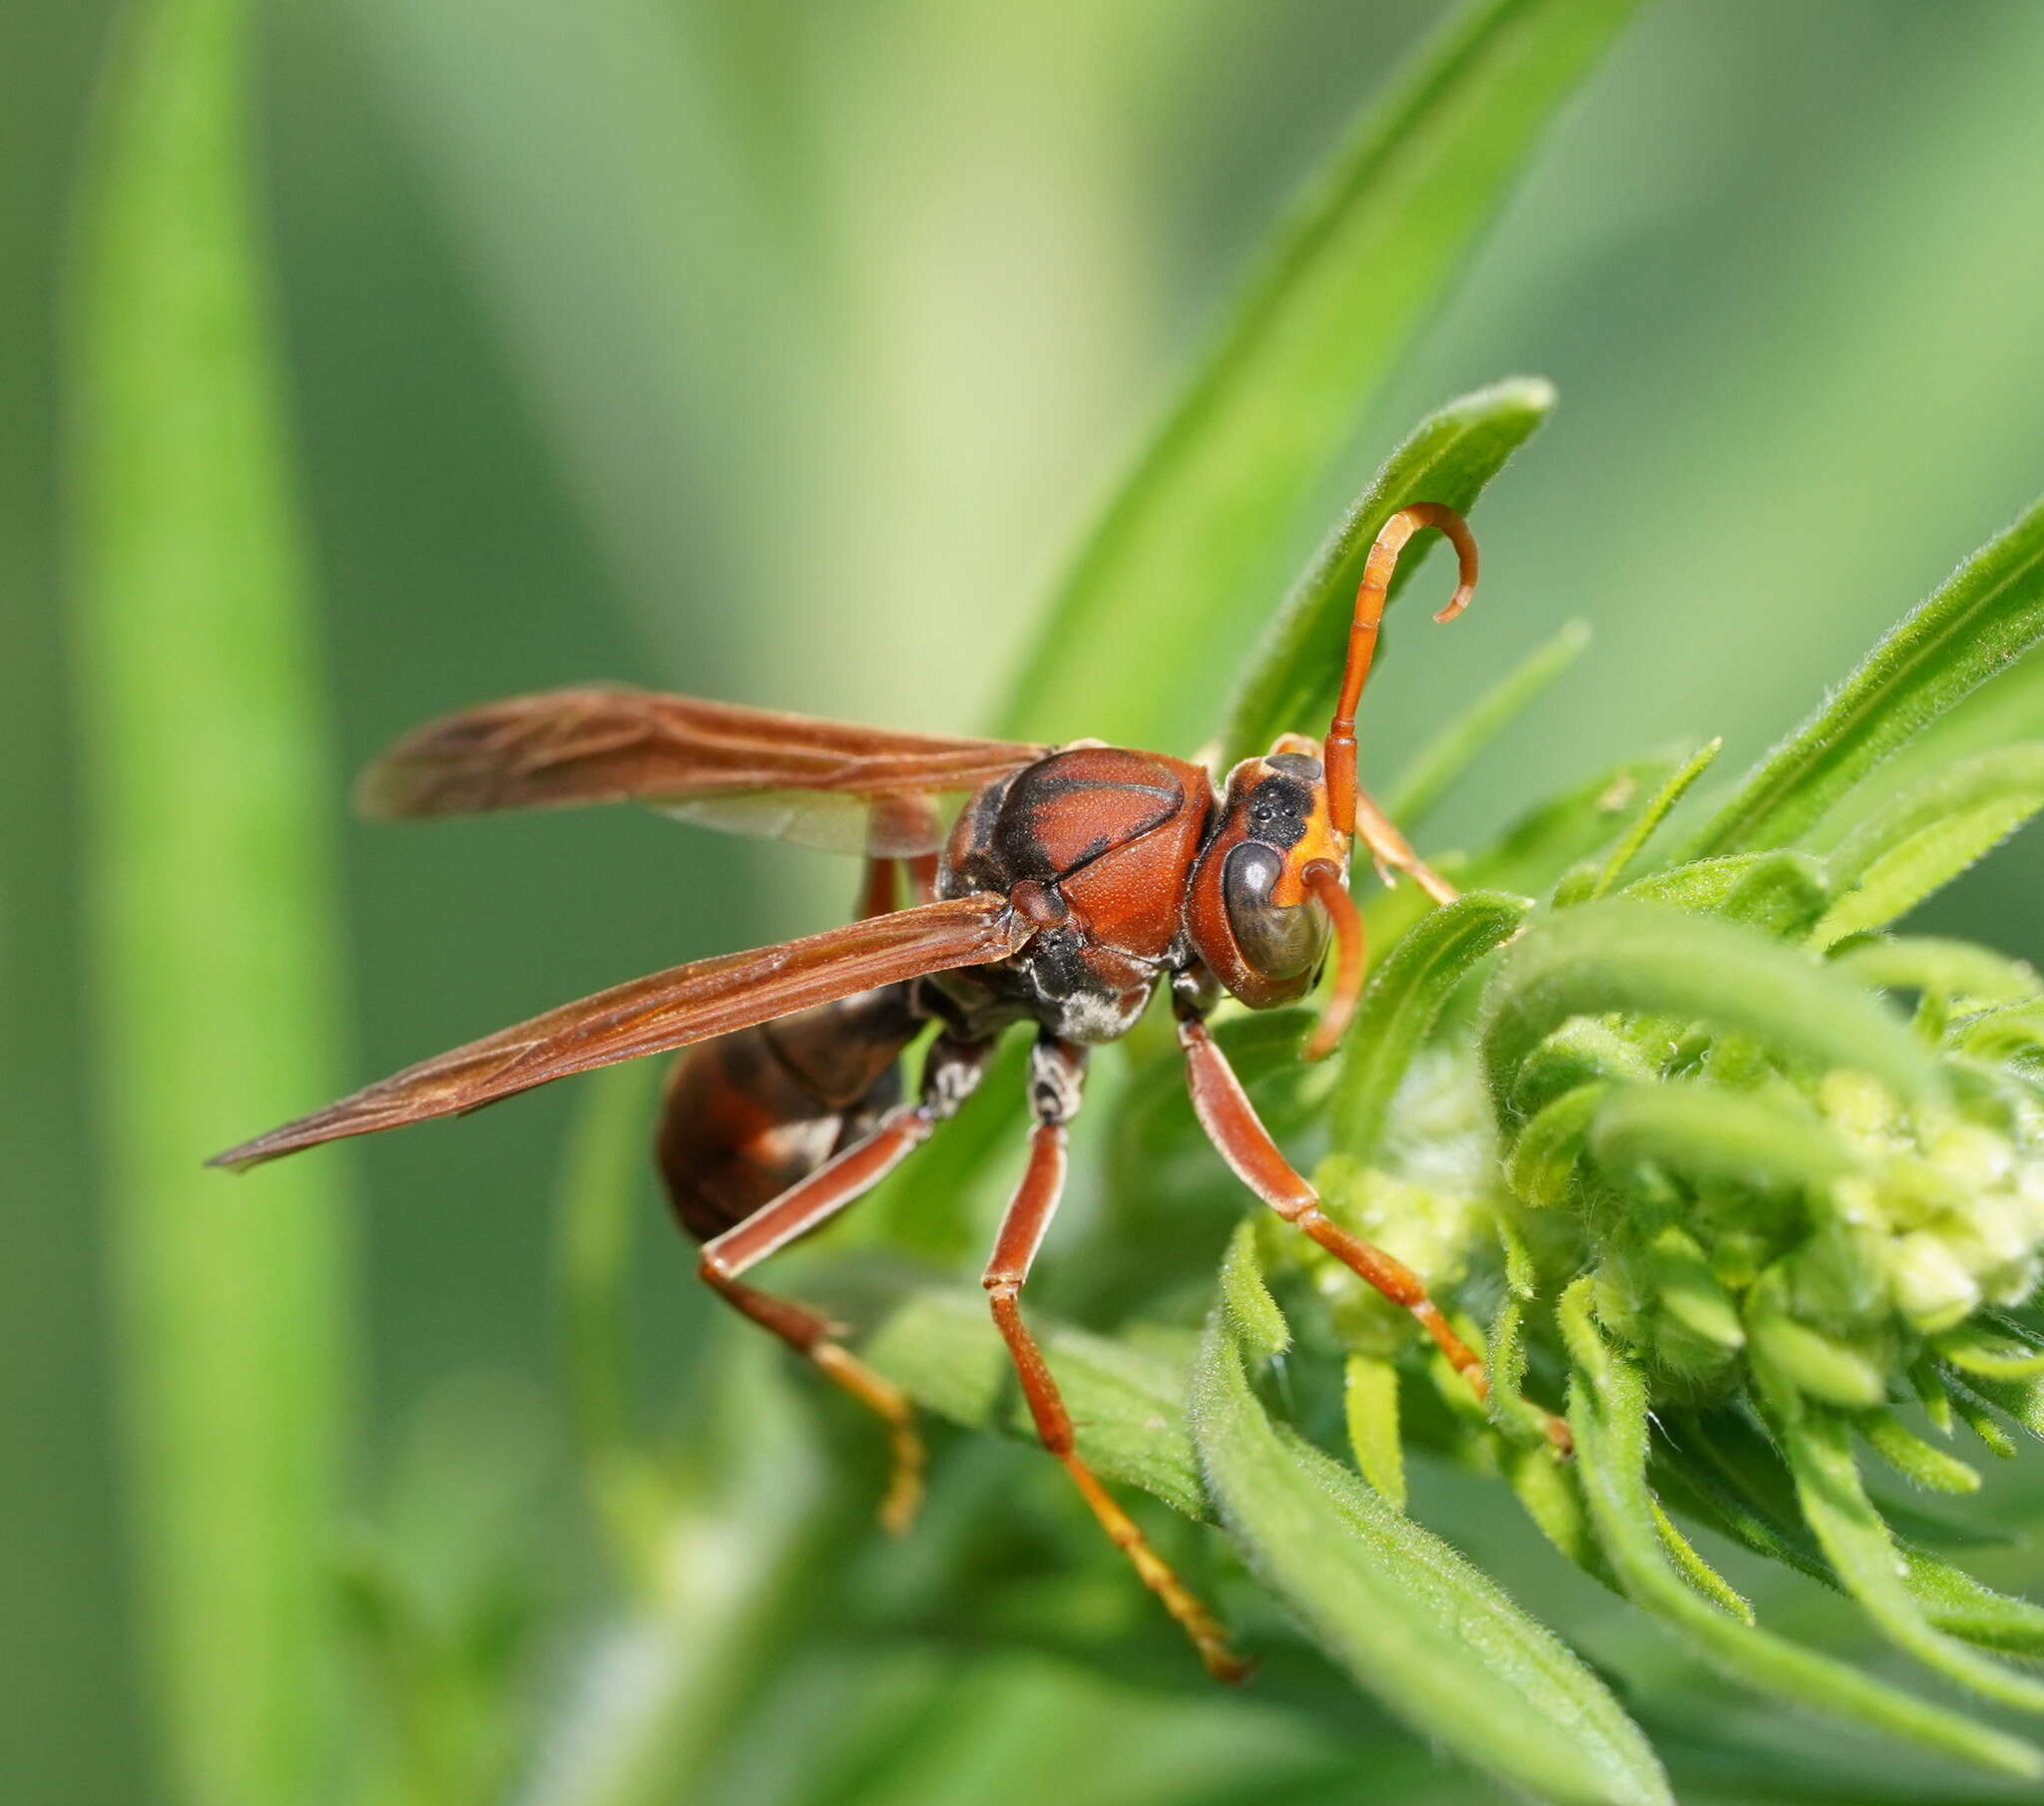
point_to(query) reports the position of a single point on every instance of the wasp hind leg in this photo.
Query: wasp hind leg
(1056, 1069)
(806, 1206)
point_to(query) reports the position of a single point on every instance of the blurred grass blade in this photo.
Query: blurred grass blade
(214, 927)
(1929, 835)
(1608, 1412)
(1410, 1619)
(1434, 769)
(1200, 528)
(1615, 954)
(1448, 457)
(1864, 1554)
(599, 1185)
(1985, 617)
(1403, 999)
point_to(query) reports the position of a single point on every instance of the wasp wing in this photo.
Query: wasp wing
(667, 1010)
(832, 785)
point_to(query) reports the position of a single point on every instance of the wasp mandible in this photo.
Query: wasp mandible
(1073, 882)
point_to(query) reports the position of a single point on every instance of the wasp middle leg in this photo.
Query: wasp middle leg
(771, 1134)
(1056, 1070)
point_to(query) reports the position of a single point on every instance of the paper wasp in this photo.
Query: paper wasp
(1073, 882)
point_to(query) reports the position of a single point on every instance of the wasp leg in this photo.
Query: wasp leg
(808, 1204)
(1056, 1069)
(1392, 849)
(877, 895)
(1231, 1124)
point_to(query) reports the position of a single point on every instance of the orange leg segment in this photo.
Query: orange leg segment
(804, 1206)
(1393, 852)
(1231, 1124)
(1054, 1090)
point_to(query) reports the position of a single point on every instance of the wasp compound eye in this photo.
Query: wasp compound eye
(1278, 941)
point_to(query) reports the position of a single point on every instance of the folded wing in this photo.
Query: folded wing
(664, 1011)
(752, 771)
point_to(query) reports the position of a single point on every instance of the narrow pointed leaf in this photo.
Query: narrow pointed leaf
(1929, 835)
(1546, 841)
(1198, 531)
(1608, 1412)
(1720, 1469)
(1958, 969)
(1708, 1133)
(1617, 954)
(1448, 457)
(1988, 614)
(1656, 812)
(1411, 1620)
(1403, 999)
(1863, 1553)
(1434, 769)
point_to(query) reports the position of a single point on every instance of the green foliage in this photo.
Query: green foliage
(1364, 260)
(1652, 1112)
(1448, 457)
(1393, 1605)
(1729, 1182)
(212, 922)
(1988, 614)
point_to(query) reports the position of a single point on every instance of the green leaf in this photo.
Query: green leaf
(1617, 954)
(1448, 457)
(1434, 769)
(1196, 532)
(1400, 1004)
(1411, 1620)
(1732, 1474)
(1656, 812)
(1546, 841)
(1858, 1543)
(1956, 969)
(1127, 1404)
(1706, 1133)
(1541, 1167)
(1370, 1407)
(1608, 1412)
(1704, 1580)
(1928, 835)
(1702, 885)
(212, 922)
(1920, 1462)
(1985, 615)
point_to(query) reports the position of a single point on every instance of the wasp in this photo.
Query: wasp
(1071, 883)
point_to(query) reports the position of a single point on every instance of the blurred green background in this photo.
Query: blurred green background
(777, 351)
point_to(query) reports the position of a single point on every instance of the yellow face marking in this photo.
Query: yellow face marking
(1319, 841)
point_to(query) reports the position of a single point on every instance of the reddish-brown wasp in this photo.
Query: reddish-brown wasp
(1073, 882)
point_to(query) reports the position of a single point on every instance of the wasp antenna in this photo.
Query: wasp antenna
(1338, 754)
(1329, 886)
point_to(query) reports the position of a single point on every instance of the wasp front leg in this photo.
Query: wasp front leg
(1056, 1071)
(1391, 852)
(1238, 1134)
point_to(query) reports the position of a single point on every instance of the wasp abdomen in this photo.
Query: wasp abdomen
(748, 1115)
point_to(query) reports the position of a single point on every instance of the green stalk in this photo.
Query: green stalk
(211, 923)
